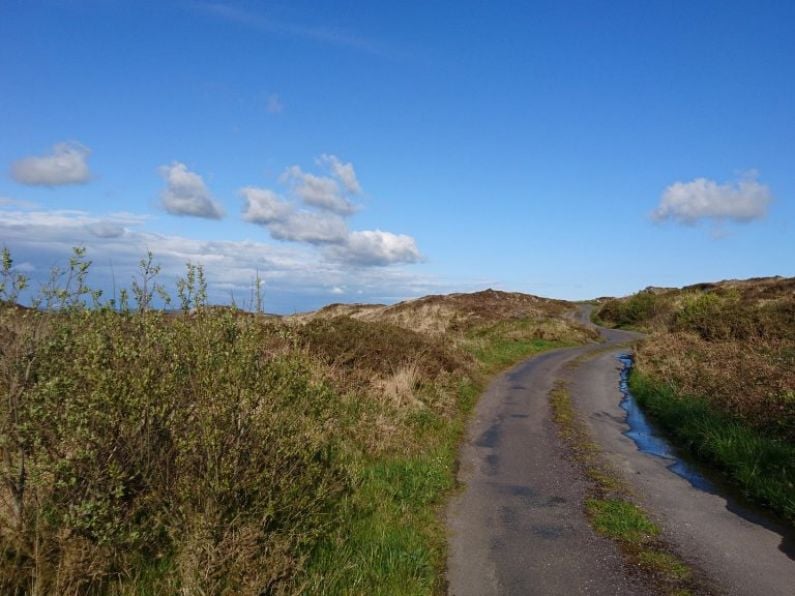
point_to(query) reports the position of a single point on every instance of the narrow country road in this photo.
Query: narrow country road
(518, 526)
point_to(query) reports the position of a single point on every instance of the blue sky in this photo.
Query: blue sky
(359, 151)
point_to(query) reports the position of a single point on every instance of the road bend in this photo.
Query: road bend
(518, 526)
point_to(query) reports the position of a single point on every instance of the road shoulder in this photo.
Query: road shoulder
(744, 557)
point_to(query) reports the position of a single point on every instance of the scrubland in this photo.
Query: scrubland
(207, 450)
(717, 370)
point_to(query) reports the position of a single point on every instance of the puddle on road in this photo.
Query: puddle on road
(646, 438)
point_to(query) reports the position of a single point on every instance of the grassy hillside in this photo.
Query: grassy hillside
(452, 312)
(211, 450)
(718, 370)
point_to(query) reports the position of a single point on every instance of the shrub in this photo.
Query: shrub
(215, 451)
(641, 309)
(381, 348)
(144, 439)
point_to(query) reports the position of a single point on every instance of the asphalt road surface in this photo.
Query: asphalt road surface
(518, 526)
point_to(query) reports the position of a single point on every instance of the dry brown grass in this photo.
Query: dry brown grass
(439, 314)
(218, 452)
(364, 350)
(753, 381)
(152, 451)
(731, 343)
(399, 388)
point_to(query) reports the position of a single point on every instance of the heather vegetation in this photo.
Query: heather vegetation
(207, 450)
(718, 371)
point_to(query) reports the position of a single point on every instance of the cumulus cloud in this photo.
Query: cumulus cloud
(322, 220)
(66, 164)
(343, 172)
(318, 191)
(297, 276)
(328, 230)
(264, 206)
(702, 199)
(186, 194)
(284, 222)
(374, 247)
(314, 228)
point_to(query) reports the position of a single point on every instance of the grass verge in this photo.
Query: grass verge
(212, 451)
(501, 353)
(611, 510)
(496, 347)
(761, 465)
(393, 540)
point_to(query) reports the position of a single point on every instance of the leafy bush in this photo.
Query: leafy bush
(714, 312)
(139, 438)
(211, 451)
(198, 452)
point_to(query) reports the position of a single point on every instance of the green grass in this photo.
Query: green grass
(584, 450)
(498, 346)
(391, 540)
(762, 466)
(610, 509)
(502, 352)
(213, 451)
(620, 520)
(664, 563)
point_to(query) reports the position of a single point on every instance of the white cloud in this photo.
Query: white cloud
(326, 227)
(24, 267)
(105, 229)
(62, 229)
(274, 104)
(264, 206)
(17, 203)
(186, 193)
(297, 276)
(65, 165)
(284, 222)
(313, 228)
(318, 191)
(374, 247)
(702, 199)
(344, 172)
(65, 223)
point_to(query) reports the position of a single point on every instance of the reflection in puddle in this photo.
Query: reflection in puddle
(647, 440)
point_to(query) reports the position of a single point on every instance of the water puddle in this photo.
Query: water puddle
(646, 438)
